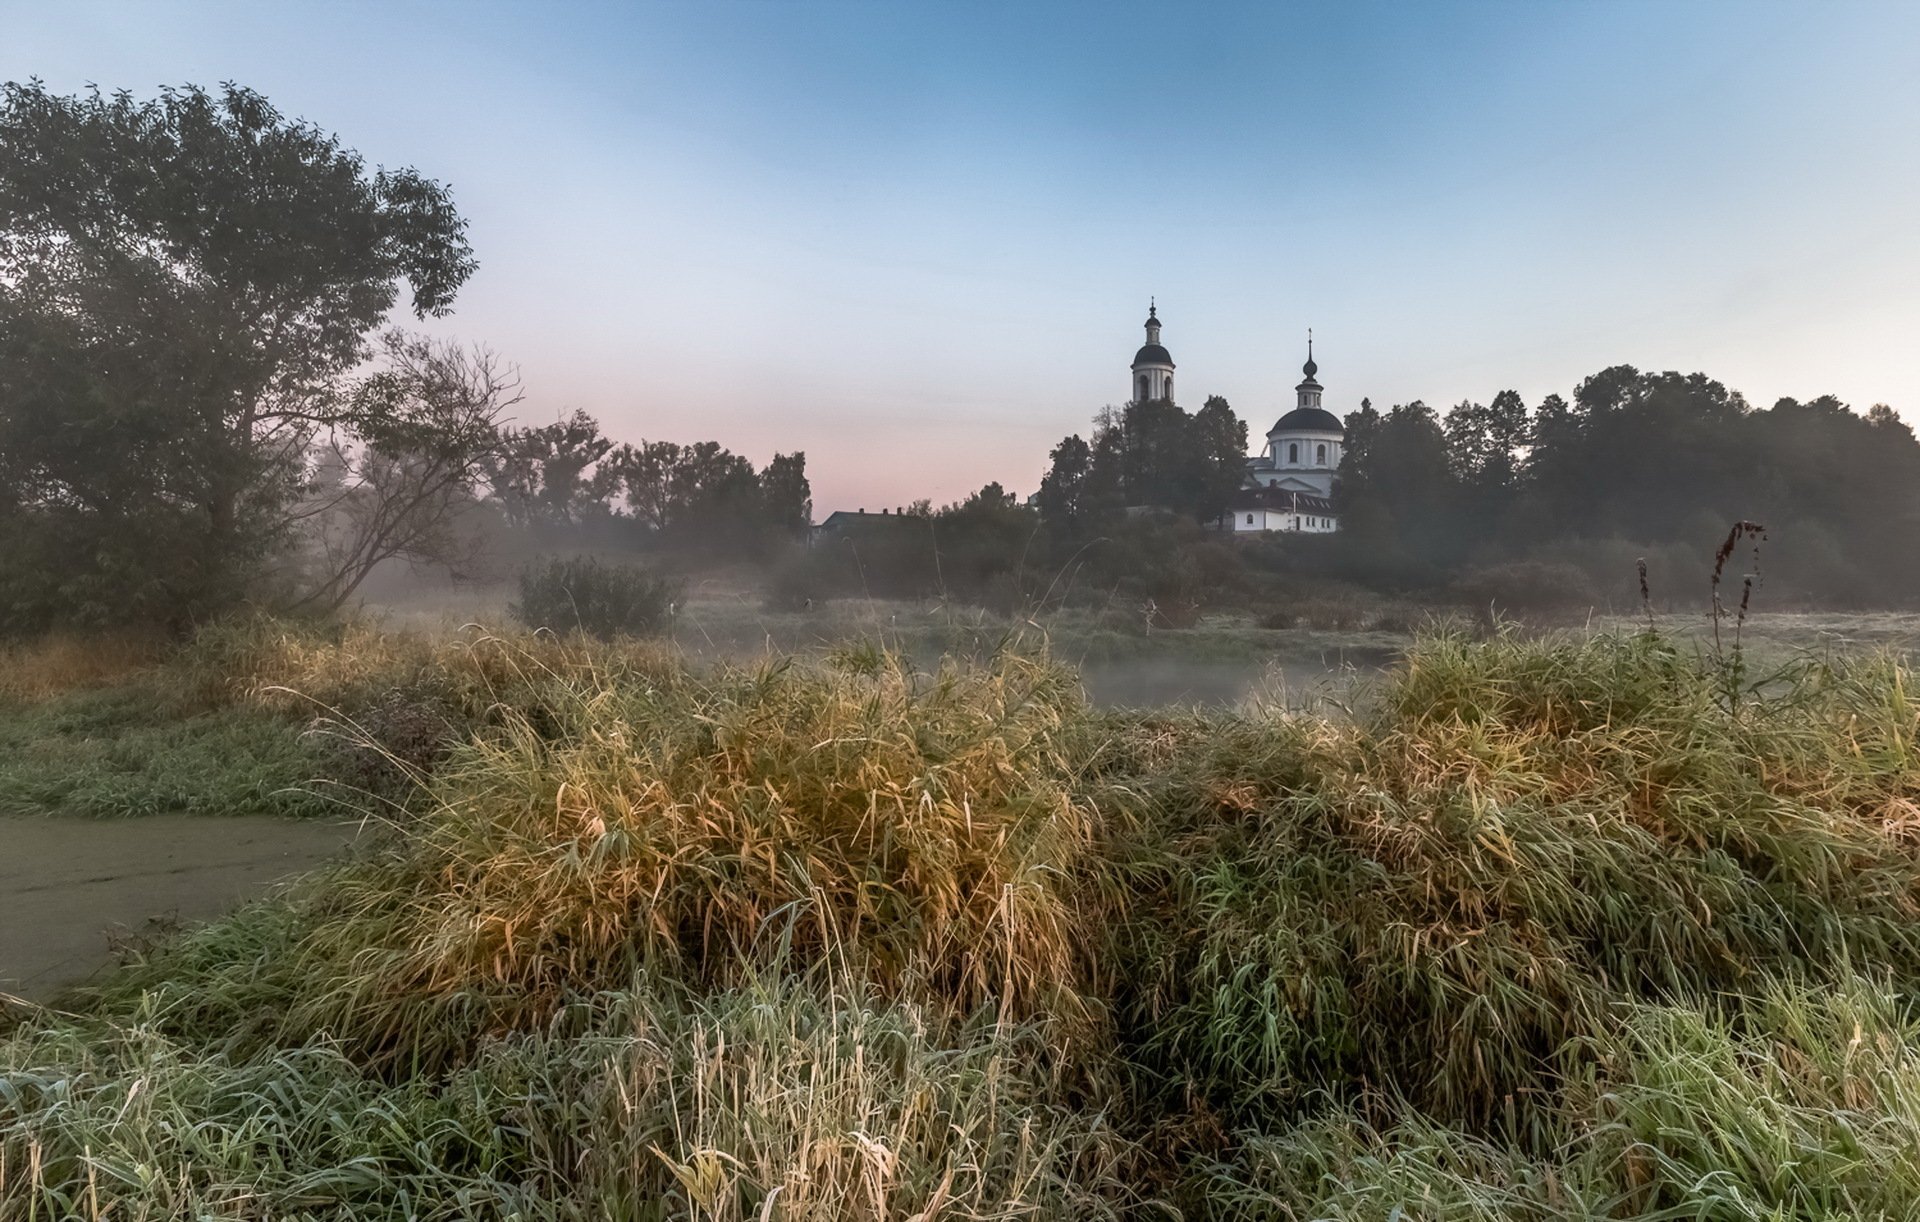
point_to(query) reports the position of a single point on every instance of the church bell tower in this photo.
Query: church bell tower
(1152, 365)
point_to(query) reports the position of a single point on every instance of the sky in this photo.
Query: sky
(917, 240)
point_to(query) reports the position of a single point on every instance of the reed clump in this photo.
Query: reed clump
(1541, 929)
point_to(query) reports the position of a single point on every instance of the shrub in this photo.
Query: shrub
(580, 593)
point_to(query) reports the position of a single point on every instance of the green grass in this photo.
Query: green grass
(124, 752)
(1551, 928)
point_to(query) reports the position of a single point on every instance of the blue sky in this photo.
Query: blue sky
(916, 240)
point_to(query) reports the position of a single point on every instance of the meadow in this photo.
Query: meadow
(1547, 925)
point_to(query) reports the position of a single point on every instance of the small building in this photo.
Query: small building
(859, 524)
(1264, 509)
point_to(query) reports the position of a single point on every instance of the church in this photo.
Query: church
(1289, 485)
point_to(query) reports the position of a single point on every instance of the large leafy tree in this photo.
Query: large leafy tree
(406, 489)
(1396, 493)
(1062, 499)
(1219, 457)
(788, 494)
(185, 282)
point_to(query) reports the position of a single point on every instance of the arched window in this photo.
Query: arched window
(1249, 519)
(1293, 451)
(1321, 458)
(1143, 386)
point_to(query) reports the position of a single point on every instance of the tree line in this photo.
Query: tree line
(1634, 464)
(568, 479)
(1488, 504)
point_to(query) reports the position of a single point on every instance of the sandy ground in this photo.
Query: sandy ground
(70, 888)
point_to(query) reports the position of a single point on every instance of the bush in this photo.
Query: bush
(603, 600)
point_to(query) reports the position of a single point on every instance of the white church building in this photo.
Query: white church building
(1289, 485)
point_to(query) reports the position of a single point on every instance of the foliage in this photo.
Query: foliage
(552, 474)
(581, 593)
(184, 282)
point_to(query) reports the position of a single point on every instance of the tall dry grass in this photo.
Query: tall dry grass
(59, 663)
(914, 831)
(1548, 929)
(1457, 894)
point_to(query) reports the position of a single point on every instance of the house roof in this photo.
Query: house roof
(842, 519)
(1281, 500)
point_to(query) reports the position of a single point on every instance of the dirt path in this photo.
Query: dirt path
(67, 886)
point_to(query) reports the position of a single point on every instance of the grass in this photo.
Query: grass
(1548, 929)
(53, 665)
(250, 717)
(111, 754)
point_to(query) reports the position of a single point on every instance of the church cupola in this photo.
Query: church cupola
(1153, 364)
(1304, 446)
(1308, 392)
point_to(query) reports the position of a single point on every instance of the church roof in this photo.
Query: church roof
(1152, 354)
(1308, 420)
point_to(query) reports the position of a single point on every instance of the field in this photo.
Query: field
(1501, 924)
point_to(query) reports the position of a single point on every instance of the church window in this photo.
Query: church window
(1249, 519)
(1293, 451)
(1321, 457)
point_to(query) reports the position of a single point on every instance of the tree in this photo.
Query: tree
(1152, 453)
(787, 494)
(706, 495)
(552, 475)
(1219, 456)
(184, 282)
(1062, 488)
(1396, 492)
(399, 492)
(643, 473)
(1484, 442)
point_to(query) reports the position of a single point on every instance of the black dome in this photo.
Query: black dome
(1308, 419)
(1152, 354)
